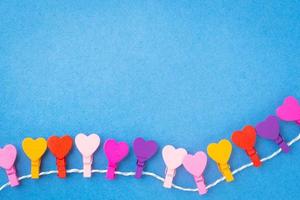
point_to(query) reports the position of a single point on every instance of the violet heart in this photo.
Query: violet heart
(289, 110)
(115, 151)
(144, 149)
(195, 164)
(8, 156)
(269, 128)
(87, 145)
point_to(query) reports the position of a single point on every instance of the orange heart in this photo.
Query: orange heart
(60, 146)
(244, 139)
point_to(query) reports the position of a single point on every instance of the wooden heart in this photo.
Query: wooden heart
(34, 149)
(60, 146)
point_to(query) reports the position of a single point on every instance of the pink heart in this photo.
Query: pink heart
(8, 156)
(87, 145)
(289, 110)
(195, 164)
(173, 157)
(115, 151)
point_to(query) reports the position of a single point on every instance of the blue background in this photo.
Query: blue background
(186, 73)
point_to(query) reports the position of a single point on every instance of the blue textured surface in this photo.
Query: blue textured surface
(186, 73)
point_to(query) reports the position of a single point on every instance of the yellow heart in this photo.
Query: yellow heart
(220, 152)
(34, 149)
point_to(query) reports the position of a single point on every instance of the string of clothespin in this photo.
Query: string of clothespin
(115, 151)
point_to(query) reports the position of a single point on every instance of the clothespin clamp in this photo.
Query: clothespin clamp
(143, 151)
(34, 150)
(195, 165)
(269, 129)
(87, 145)
(289, 110)
(8, 155)
(220, 153)
(245, 139)
(60, 148)
(115, 152)
(173, 158)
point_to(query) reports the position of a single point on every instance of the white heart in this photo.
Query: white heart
(87, 145)
(173, 157)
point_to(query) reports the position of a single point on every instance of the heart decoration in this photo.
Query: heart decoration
(115, 151)
(60, 146)
(8, 155)
(87, 145)
(289, 110)
(245, 139)
(220, 152)
(269, 128)
(34, 149)
(173, 157)
(144, 149)
(195, 164)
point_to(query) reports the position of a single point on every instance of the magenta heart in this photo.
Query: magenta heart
(268, 128)
(144, 149)
(289, 110)
(195, 164)
(8, 156)
(115, 151)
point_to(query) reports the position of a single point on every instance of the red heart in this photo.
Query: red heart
(245, 139)
(60, 146)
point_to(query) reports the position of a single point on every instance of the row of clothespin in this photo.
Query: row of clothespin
(116, 151)
(86, 145)
(220, 152)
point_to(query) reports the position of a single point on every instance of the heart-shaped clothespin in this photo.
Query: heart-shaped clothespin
(8, 155)
(143, 151)
(87, 145)
(269, 129)
(115, 152)
(289, 110)
(220, 153)
(60, 148)
(245, 139)
(195, 165)
(34, 150)
(173, 158)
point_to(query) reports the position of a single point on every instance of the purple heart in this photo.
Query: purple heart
(144, 149)
(269, 128)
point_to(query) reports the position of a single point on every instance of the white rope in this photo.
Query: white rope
(102, 171)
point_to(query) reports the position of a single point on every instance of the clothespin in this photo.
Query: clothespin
(34, 150)
(289, 110)
(195, 165)
(245, 139)
(173, 158)
(220, 153)
(143, 151)
(87, 145)
(8, 155)
(115, 152)
(269, 129)
(60, 148)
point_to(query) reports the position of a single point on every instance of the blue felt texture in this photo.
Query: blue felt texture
(186, 73)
